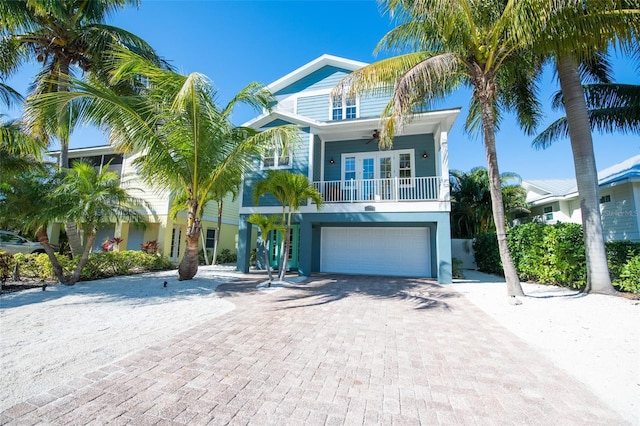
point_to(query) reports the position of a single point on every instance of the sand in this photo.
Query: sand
(47, 338)
(594, 338)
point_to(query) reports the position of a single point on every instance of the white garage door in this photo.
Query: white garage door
(376, 251)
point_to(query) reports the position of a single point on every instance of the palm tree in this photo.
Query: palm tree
(62, 35)
(188, 145)
(19, 151)
(266, 224)
(93, 197)
(471, 200)
(83, 194)
(611, 106)
(291, 190)
(577, 31)
(453, 43)
(25, 199)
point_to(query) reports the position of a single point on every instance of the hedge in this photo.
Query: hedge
(554, 254)
(99, 265)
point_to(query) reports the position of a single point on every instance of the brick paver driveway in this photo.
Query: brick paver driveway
(334, 350)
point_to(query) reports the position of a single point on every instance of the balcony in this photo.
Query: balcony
(381, 190)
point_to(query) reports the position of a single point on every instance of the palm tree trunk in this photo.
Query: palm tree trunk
(90, 238)
(75, 244)
(284, 254)
(43, 238)
(266, 258)
(217, 236)
(598, 278)
(488, 127)
(64, 130)
(188, 267)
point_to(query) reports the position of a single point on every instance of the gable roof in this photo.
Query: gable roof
(315, 65)
(553, 189)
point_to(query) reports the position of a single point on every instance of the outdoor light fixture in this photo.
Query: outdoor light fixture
(332, 161)
(425, 155)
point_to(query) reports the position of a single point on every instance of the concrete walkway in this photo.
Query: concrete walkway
(334, 350)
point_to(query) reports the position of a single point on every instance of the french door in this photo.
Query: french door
(370, 175)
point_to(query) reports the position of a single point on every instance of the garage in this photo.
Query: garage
(376, 251)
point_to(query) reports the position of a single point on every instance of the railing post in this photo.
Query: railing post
(353, 192)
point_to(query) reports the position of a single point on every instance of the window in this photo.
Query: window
(211, 238)
(349, 168)
(548, 212)
(605, 199)
(404, 169)
(344, 108)
(273, 160)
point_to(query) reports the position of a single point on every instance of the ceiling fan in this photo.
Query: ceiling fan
(375, 137)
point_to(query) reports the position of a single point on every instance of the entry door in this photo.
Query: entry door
(275, 245)
(176, 233)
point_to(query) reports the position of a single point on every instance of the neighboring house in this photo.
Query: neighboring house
(168, 232)
(387, 212)
(556, 200)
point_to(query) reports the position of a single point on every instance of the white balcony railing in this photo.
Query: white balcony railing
(390, 190)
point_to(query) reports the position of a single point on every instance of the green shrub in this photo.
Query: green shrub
(629, 279)
(99, 265)
(527, 249)
(486, 253)
(38, 265)
(6, 266)
(618, 254)
(456, 268)
(225, 256)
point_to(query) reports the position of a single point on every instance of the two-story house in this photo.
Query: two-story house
(387, 212)
(557, 200)
(160, 227)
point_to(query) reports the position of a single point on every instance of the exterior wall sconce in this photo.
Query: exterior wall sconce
(332, 161)
(425, 155)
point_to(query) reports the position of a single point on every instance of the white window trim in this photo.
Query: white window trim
(344, 108)
(395, 166)
(276, 161)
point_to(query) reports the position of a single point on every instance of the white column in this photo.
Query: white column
(444, 167)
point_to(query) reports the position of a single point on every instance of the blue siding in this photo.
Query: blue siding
(421, 143)
(317, 158)
(324, 78)
(300, 165)
(373, 105)
(314, 107)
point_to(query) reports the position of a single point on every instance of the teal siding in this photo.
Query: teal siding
(421, 143)
(317, 158)
(314, 107)
(373, 105)
(324, 78)
(300, 165)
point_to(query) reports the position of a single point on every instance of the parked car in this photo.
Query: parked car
(13, 243)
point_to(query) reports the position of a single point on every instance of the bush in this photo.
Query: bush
(618, 254)
(629, 279)
(486, 253)
(99, 265)
(6, 265)
(225, 256)
(554, 254)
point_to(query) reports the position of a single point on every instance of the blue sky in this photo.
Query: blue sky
(236, 42)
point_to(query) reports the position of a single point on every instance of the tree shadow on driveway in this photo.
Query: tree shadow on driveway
(326, 288)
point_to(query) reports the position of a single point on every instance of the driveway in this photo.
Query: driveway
(334, 350)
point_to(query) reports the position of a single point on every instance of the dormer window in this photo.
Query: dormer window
(344, 107)
(273, 159)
